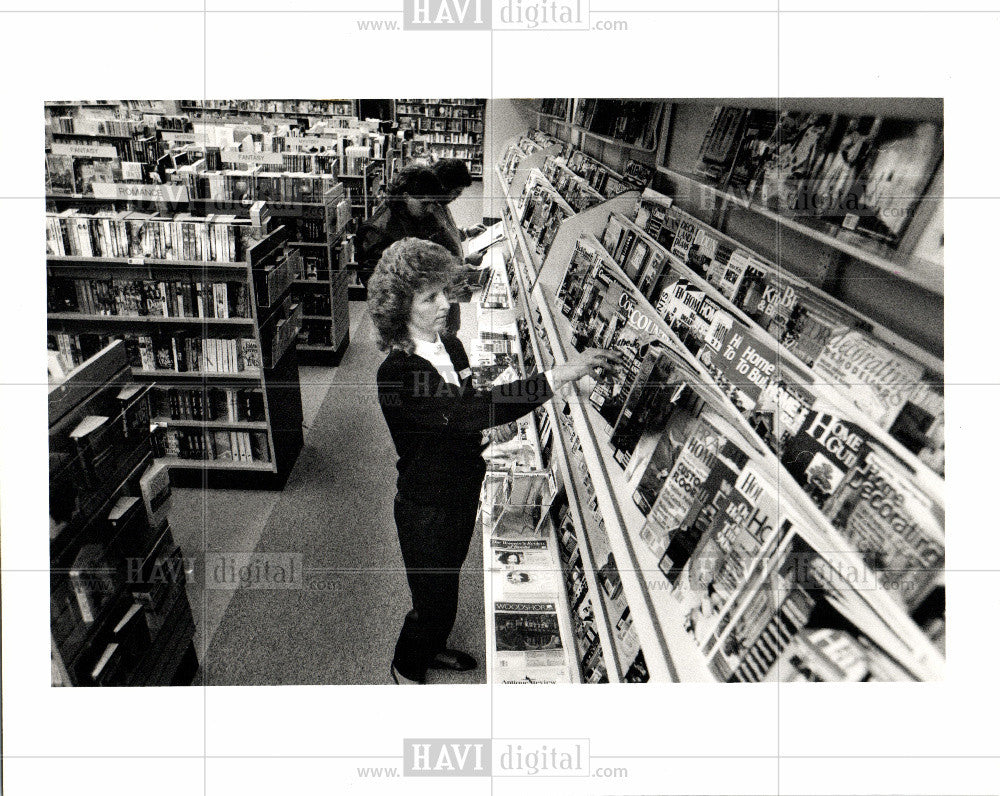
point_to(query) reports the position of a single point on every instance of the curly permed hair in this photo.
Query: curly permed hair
(406, 267)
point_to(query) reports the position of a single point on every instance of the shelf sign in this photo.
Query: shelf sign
(85, 150)
(230, 155)
(298, 142)
(180, 137)
(141, 192)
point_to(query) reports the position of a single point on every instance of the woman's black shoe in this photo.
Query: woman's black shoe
(454, 660)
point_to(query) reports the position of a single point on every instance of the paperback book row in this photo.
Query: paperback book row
(337, 150)
(99, 444)
(95, 587)
(66, 174)
(863, 174)
(290, 107)
(67, 350)
(346, 153)
(437, 150)
(222, 404)
(88, 144)
(95, 575)
(443, 137)
(78, 125)
(442, 109)
(121, 234)
(713, 518)
(213, 445)
(709, 289)
(316, 267)
(253, 184)
(111, 609)
(176, 298)
(273, 147)
(180, 353)
(189, 353)
(444, 124)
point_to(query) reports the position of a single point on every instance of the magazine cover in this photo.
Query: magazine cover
(878, 380)
(523, 569)
(746, 519)
(897, 528)
(681, 490)
(720, 144)
(836, 186)
(894, 178)
(797, 146)
(527, 639)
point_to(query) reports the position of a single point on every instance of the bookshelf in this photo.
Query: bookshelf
(277, 108)
(674, 645)
(326, 246)
(450, 128)
(215, 339)
(119, 608)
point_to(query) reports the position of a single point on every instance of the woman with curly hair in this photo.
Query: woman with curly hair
(436, 420)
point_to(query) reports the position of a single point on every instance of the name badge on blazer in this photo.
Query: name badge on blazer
(464, 374)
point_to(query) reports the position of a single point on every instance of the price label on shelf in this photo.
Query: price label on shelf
(136, 260)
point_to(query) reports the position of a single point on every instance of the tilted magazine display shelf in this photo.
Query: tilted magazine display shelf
(873, 377)
(722, 579)
(845, 193)
(605, 632)
(446, 128)
(119, 608)
(853, 181)
(205, 307)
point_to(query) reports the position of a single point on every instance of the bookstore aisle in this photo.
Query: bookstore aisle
(755, 494)
(336, 510)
